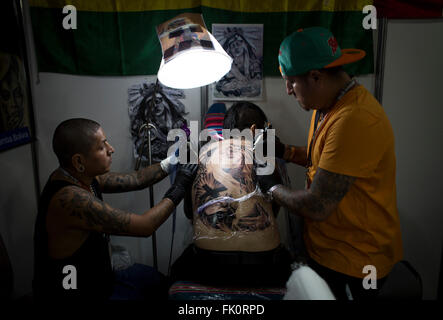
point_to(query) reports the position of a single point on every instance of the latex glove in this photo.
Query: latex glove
(266, 182)
(173, 160)
(169, 163)
(185, 177)
(279, 146)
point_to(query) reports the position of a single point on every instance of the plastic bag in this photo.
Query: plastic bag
(120, 258)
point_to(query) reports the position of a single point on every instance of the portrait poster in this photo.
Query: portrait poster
(160, 106)
(244, 43)
(184, 32)
(15, 117)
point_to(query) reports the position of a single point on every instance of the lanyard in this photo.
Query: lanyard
(317, 118)
(348, 87)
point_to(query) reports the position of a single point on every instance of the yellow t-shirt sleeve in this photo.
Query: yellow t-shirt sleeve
(354, 144)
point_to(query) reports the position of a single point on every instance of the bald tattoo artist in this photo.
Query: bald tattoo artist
(73, 221)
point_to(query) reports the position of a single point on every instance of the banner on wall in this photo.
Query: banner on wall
(412, 9)
(118, 37)
(15, 119)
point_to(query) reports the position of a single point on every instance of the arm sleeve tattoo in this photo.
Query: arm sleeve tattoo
(317, 203)
(121, 182)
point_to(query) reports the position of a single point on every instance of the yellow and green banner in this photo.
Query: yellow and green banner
(118, 37)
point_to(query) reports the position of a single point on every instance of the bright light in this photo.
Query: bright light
(195, 67)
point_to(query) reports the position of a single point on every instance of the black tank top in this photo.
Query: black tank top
(94, 275)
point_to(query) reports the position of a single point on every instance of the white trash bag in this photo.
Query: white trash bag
(305, 284)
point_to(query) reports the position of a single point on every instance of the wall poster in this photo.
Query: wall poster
(244, 43)
(15, 98)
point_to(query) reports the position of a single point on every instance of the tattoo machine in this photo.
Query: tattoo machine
(260, 137)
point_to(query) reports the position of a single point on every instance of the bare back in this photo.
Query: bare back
(226, 170)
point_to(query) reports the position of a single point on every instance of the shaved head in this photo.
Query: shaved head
(73, 136)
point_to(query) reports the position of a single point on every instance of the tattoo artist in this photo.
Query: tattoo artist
(349, 205)
(74, 223)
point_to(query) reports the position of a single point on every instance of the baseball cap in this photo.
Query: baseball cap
(313, 48)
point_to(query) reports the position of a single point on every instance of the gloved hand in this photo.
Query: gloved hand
(169, 163)
(266, 182)
(279, 146)
(173, 160)
(185, 177)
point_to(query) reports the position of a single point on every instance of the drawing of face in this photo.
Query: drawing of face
(237, 46)
(11, 93)
(164, 117)
(219, 216)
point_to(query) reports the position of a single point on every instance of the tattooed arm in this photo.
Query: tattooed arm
(81, 210)
(121, 182)
(317, 203)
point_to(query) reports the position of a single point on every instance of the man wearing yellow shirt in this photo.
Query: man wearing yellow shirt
(349, 205)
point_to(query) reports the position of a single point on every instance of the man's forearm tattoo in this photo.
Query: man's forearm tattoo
(330, 186)
(121, 182)
(114, 182)
(326, 192)
(95, 213)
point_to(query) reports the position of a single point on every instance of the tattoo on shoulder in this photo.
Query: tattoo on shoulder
(82, 205)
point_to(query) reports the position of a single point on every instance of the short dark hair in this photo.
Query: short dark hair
(333, 71)
(73, 136)
(244, 114)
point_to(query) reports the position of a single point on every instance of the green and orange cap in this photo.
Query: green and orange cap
(313, 48)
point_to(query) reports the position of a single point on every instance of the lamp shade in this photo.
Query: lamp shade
(192, 57)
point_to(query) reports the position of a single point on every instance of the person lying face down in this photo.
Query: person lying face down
(234, 242)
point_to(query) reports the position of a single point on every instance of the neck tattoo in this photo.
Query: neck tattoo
(68, 175)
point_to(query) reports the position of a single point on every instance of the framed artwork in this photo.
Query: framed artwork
(244, 43)
(15, 98)
(165, 112)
